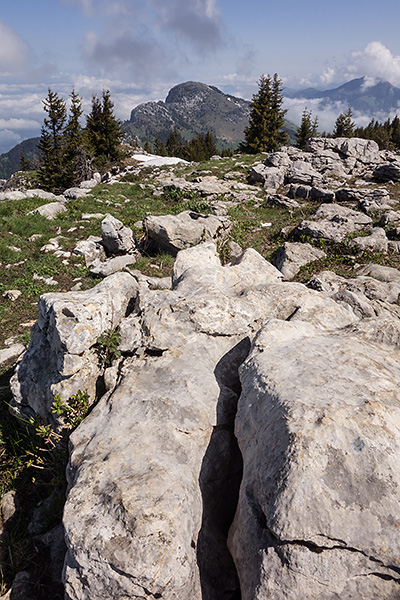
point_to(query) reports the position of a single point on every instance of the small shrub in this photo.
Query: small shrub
(108, 346)
(75, 410)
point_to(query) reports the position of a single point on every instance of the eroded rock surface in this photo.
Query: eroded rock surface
(317, 512)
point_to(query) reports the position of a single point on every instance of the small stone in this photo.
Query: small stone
(12, 295)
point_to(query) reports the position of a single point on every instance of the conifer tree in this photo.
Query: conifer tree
(75, 156)
(267, 118)
(344, 126)
(211, 148)
(51, 143)
(25, 164)
(103, 130)
(307, 129)
(174, 143)
(159, 147)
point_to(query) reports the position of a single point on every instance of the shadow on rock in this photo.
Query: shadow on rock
(220, 478)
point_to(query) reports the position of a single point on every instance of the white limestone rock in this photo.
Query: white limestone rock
(317, 508)
(333, 222)
(166, 431)
(117, 239)
(61, 357)
(290, 257)
(177, 232)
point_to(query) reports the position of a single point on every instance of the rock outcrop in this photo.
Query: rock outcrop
(156, 478)
(242, 441)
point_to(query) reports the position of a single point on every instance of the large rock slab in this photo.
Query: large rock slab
(387, 172)
(333, 222)
(376, 242)
(303, 173)
(177, 232)
(318, 504)
(365, 151)
(49, 211)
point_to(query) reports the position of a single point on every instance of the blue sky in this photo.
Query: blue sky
(139, 49)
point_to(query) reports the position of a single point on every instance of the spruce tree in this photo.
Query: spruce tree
(159, 147)
(174, 143)
(75, 156)
(307, 129)
(344, 126)
(103, 131)
(51, 143)
(211, 148)
(267, 118)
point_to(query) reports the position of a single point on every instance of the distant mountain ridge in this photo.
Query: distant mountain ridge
(193, 108)
(10, 161)
(360, 95)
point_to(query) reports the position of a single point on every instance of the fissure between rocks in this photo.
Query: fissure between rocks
(220, 480)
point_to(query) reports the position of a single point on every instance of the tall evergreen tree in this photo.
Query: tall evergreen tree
(344, 126)
(75, 156)
(267, 118)
(159, 147)
(103, 130)
(308, 129)
(51, 143)
(211, 148)
(175, 143)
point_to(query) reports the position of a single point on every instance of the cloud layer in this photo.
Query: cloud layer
(14, 52)
(148, 38)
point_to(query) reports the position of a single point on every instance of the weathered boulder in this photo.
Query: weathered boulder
(322, 195)
(390, 217)
(177, 232)
(75, 193)
(91, 249)
(374, 285)
(61, 357)
(376, 242)
(303, 173)
(283, 201)
(317, 508)
(364, 151)
(278, 159)
(368, 199)
(109, 266)
(210, 185)
(333, 222)
(290, 257)
(299, 191)
(271, 177)
(387, 172)
(89, 184)
(117, 239)
(11, 353)
(49, 211)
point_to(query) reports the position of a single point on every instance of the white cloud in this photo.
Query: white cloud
(140, 56)
(148, 39)
(16, 124)
(376, 60)
(14, 52)
(327, 113)
(8, 139)
(328, 76)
